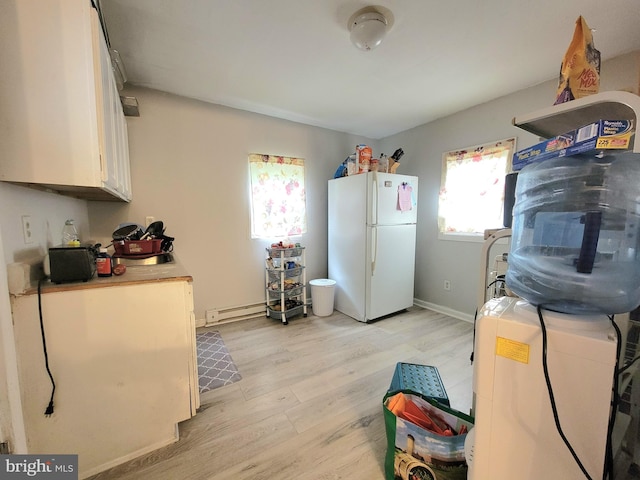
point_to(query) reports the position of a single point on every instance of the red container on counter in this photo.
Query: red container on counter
(137, 247)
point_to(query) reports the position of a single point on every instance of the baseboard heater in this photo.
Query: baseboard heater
(232, 314)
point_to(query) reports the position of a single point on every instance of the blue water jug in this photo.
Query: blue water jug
(576, 234)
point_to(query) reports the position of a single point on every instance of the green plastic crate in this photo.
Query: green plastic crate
(423, 379)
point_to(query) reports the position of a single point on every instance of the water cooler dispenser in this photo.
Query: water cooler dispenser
(576, 231)
(573, 254)
(515, 435)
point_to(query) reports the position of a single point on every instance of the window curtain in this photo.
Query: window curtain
(278, 199)
(472, 187)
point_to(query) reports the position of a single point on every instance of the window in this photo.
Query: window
(472, 187)
(278, 205)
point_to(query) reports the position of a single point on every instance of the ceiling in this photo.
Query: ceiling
(293, 59)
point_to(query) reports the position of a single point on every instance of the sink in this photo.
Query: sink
(147, 260)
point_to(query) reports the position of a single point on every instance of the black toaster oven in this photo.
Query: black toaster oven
(72, 264)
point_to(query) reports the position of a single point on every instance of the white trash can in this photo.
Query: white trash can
(322, 293)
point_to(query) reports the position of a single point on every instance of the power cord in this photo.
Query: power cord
(628, 365)
(473, 345)
(49, 410)
(615, 398)
(615, 401)
(475, 319)
(547, 379)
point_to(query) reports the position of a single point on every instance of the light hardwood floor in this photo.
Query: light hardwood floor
(309, 405)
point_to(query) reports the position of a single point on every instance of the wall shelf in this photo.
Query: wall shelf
(558, 119)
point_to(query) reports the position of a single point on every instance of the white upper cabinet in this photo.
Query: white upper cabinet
(61, 122)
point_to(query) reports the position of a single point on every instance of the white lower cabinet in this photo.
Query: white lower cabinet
(123, 359)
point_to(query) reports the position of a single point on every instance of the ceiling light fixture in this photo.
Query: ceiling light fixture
(368, 27)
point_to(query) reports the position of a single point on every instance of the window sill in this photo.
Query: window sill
(468, 237)
(462, 237)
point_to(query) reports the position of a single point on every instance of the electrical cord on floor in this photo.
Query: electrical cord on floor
(49, 410)
(552, 398)
(615, 401)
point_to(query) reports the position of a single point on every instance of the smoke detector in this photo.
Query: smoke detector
(369, 26)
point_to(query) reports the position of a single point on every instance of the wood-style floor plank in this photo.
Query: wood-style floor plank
(309, 405)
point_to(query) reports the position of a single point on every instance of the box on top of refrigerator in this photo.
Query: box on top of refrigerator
(363, 157)
(600, 135)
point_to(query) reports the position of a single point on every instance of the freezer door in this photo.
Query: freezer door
(390, 269)
(383, 192)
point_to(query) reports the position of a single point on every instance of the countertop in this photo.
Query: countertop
(166, 272)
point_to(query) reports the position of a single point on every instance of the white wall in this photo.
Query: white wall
(189, 167)
(459, 262)
(48, 213)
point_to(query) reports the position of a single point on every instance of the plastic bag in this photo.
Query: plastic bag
(580, 68)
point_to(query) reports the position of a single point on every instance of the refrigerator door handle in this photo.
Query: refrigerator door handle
(374, 249)
(374, 199)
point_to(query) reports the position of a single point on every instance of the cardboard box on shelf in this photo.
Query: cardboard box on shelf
(592, 138)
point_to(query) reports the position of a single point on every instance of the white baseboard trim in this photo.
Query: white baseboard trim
(202, 322)
(446, 310)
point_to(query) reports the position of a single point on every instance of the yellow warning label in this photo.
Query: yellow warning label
(512, 350)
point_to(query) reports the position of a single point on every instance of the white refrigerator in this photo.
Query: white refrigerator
(372, 243)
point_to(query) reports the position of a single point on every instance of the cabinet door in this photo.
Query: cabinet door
(123, 359)
(55, 127)
(107, 112)
(48, 122)
(194, 386)
(114, 150)
(122, 140)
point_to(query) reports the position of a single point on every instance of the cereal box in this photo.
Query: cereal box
(363, 158)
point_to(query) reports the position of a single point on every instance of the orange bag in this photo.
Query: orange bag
(580, 68)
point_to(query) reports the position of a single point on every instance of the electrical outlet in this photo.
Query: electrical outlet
(27, 232)
(148, 221)
(447, 285)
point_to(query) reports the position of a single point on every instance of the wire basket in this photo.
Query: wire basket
(274, 275)
(288, 292)
(294, 307)
(285, 252)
